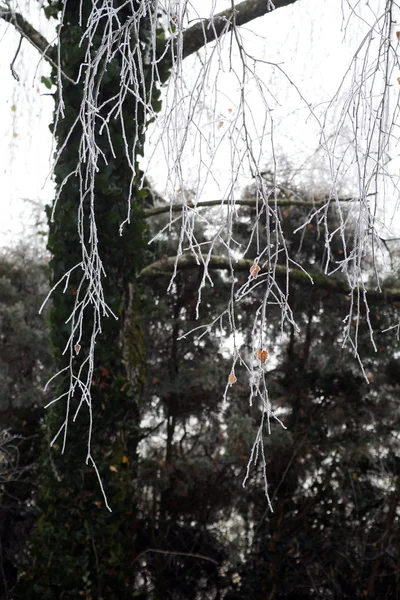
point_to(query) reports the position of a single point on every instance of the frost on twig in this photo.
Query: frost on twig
(111, 38)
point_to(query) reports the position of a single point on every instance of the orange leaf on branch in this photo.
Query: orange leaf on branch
(262, 355)
(254, 270)
(232, 378)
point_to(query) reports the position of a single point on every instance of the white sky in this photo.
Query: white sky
(25, 146)
(306, 40)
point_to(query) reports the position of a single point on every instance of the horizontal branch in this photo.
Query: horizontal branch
(28, 32)
(166, 265)
(252, 202)
(209, 30)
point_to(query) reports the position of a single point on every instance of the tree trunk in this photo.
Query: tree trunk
(80, 549)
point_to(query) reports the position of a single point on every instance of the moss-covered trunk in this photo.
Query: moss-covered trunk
(80, 549)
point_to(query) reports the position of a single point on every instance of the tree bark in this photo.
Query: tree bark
(251, 202)
(30, 33)
(165, 266)
(209, 30)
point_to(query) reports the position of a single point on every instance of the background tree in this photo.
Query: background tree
(25, 364)
(24, 351)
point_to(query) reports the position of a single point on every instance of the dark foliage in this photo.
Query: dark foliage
(25, 365)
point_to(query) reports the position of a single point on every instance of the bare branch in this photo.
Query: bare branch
(166, 265)
(251, 202)
(30, 33)
(209, 30)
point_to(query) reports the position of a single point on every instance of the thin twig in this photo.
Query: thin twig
(14, 73)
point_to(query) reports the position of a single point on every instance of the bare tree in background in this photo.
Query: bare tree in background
(361, 145)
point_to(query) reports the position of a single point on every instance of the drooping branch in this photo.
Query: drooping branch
(251, 202)
(165, 266)
(209, 30)
(27, 31)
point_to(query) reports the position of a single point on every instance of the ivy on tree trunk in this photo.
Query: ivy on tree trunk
(79, 547)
